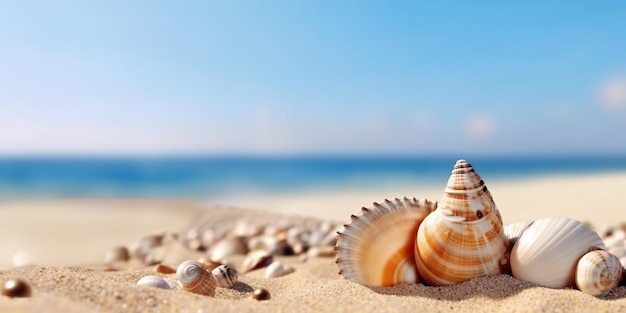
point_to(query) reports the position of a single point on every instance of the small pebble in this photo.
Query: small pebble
(261, 294)
(164, 269)
(17, 287)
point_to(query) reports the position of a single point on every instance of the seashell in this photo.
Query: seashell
(227, 247)
(261, 294)
(153, 281)
(16, 288)
(209, 237)
(117, 254)
(256, 259)
(598, 272)
(463, 238)
(147, 244)
(195, 278)
(272, 244)
(277, 269)
(548, 250)
(376, 247)
(226, 276)
(210, 264)
(247, 228)
(513, 231)
(164, 269)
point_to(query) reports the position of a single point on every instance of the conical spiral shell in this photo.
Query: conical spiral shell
(463, 238)
(548, 251)
(376, 247)
(194, 277)
(598, 272)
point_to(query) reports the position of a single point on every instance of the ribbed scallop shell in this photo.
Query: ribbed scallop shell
(463, 238)
(598, 272)
(194, 277)
(548, 251)
(376, 247)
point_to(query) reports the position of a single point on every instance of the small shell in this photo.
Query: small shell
(376, 248)
(463, 238)
(549, 249)
(164, 269)
(153, 281)
(228, 247)
(195, 278)
(277, 269)
(598, 272)
(256, 259)
(117, 254)
(226, 277)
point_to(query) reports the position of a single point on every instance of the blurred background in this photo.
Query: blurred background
(209, 98)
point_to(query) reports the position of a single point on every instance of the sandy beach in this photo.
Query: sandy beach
(59, 247)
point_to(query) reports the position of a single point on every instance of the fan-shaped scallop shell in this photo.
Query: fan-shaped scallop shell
(463, 238)
(376, 247)
(548, 251)
(194, 277)
(598, 272)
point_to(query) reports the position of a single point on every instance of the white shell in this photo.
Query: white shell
(228, 247)
(277, 269)
(153, 281)
(226, 276)
(548, 251)
(598, 272)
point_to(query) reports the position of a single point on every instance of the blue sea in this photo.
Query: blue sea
(202, 178)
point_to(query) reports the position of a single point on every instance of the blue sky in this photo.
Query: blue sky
(312, 77)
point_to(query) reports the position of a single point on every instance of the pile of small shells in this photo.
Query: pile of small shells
(257, 239)
(260, 238)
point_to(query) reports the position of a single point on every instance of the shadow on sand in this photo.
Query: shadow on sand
(496, 287)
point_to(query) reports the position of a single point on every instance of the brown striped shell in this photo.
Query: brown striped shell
(463, 238)
(598, 272)
(194, 277)
(376, 247)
